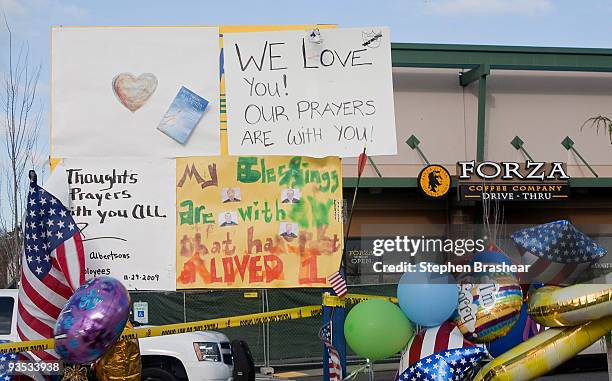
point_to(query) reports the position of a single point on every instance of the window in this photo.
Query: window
(6, 314)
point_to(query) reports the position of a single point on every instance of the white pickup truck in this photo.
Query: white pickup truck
(196, 356)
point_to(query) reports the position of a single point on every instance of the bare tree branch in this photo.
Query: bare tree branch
(21, 116)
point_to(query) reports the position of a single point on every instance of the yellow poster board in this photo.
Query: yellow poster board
(258, 222)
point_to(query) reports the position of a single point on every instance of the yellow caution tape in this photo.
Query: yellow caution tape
(211, 324)
(357, 298)
(229, 322)
(25, 346)
(333, 301)
(172, 329)
(336, 301)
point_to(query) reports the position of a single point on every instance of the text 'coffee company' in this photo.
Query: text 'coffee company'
(511, 181)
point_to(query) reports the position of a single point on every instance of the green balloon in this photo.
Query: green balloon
(377, 329)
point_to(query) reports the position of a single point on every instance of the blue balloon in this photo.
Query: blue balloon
(514, 337)
(427, 298)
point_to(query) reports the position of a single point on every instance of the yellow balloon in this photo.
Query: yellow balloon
(121, 362)
(544, 352)
(566, 306)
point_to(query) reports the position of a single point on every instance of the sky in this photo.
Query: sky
(584, 23)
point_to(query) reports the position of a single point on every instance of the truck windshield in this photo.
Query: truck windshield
(6, 314)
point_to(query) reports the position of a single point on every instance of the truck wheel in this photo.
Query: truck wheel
(157, 374)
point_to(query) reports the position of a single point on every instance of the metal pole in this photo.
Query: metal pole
(267, 331)
(526, 153)
(334, 311)
(326, 318)
(584, 161)
(263, 330)
(422, 155)
(609, 354)
(482, 113)
(375, 167)
(568, 144)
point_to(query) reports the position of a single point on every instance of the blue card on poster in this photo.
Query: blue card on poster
(183, 115)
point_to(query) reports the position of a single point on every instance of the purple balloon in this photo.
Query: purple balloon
(92, 321)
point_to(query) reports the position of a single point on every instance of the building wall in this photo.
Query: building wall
(545, 107)
(540, 107)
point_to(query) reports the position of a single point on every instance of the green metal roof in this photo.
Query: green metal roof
(501, 57)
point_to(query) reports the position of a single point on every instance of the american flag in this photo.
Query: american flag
(333, 364)
(557, 252)
(338, 283)
(53, 267)
(5, 361)
(439, 353)
(450, 365)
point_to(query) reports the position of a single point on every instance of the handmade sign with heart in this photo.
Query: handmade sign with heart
(133, 92)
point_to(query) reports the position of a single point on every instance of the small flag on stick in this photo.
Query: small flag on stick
(338, 283)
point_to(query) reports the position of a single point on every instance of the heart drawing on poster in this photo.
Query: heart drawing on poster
(133, 92)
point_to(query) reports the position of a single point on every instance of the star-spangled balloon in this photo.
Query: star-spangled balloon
(450, 365)
(557, 252)
(5, 361)
(559, 241)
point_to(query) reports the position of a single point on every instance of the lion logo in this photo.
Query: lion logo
(434, 181)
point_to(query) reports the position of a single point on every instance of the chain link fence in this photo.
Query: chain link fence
(285, 342)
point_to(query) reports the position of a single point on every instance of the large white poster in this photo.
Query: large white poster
(135, 91)
(125, 209)
(293, 93)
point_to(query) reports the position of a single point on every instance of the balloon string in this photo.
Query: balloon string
(354, 373)
(531, 328)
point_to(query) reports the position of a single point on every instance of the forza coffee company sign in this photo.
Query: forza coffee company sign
(512, 181)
